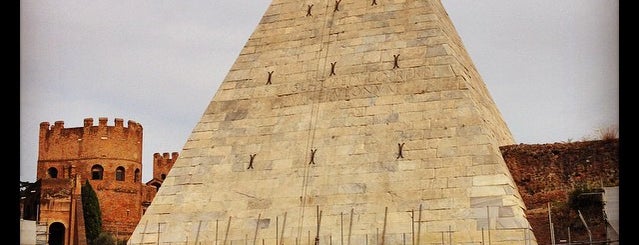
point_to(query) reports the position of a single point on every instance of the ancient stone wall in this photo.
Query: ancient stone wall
(548, 173)
(362, 121)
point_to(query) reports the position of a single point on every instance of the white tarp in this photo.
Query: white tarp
(611, 207)
(27, 232)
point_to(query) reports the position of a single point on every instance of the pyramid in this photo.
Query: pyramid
(345, 122)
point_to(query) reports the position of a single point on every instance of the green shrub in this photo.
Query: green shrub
(585, 199)
(104, 239)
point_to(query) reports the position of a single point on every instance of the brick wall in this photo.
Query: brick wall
(66, 152)
(547, 173)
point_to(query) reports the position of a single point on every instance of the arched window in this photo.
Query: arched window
(52, 173)
(97, 172)
(119, 173)
(137, 175)
(163, 176)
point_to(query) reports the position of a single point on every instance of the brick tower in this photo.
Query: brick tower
(162, 164)
(109, 157)
(345, 122)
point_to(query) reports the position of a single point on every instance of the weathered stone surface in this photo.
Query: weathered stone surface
(375, 120)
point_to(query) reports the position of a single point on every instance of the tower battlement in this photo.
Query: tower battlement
(89, 129)
(165, 158)
(88, 141)
(162, 164)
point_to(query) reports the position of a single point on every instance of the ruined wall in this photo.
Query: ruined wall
(547, 173)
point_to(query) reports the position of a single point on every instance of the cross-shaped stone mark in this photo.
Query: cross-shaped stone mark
(312, 156)
(337, 5)
(308, 10)
(396, 63)
(374, 2)
(270, 74)
(333, 68)
(400, 153)
(250, 166)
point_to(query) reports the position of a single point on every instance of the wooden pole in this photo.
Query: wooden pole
(159, 231)
(419, 224)
(319, 222)
(257, 226)
(228, 226)
(283, 225)
(412, 226)
(197, 235)
(483, 241)
(488, 214)
(341, 227)
(350, 228)
(552, 229)
(384, 229)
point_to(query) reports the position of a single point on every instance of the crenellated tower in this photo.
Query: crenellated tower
(91, 141)
(162, 164)
(108, 156)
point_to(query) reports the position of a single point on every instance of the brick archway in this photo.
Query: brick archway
(56, 233)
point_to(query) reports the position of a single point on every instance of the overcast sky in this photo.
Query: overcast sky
(551, 66)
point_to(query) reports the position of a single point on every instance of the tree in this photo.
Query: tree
(91, 212)
(105, 239)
